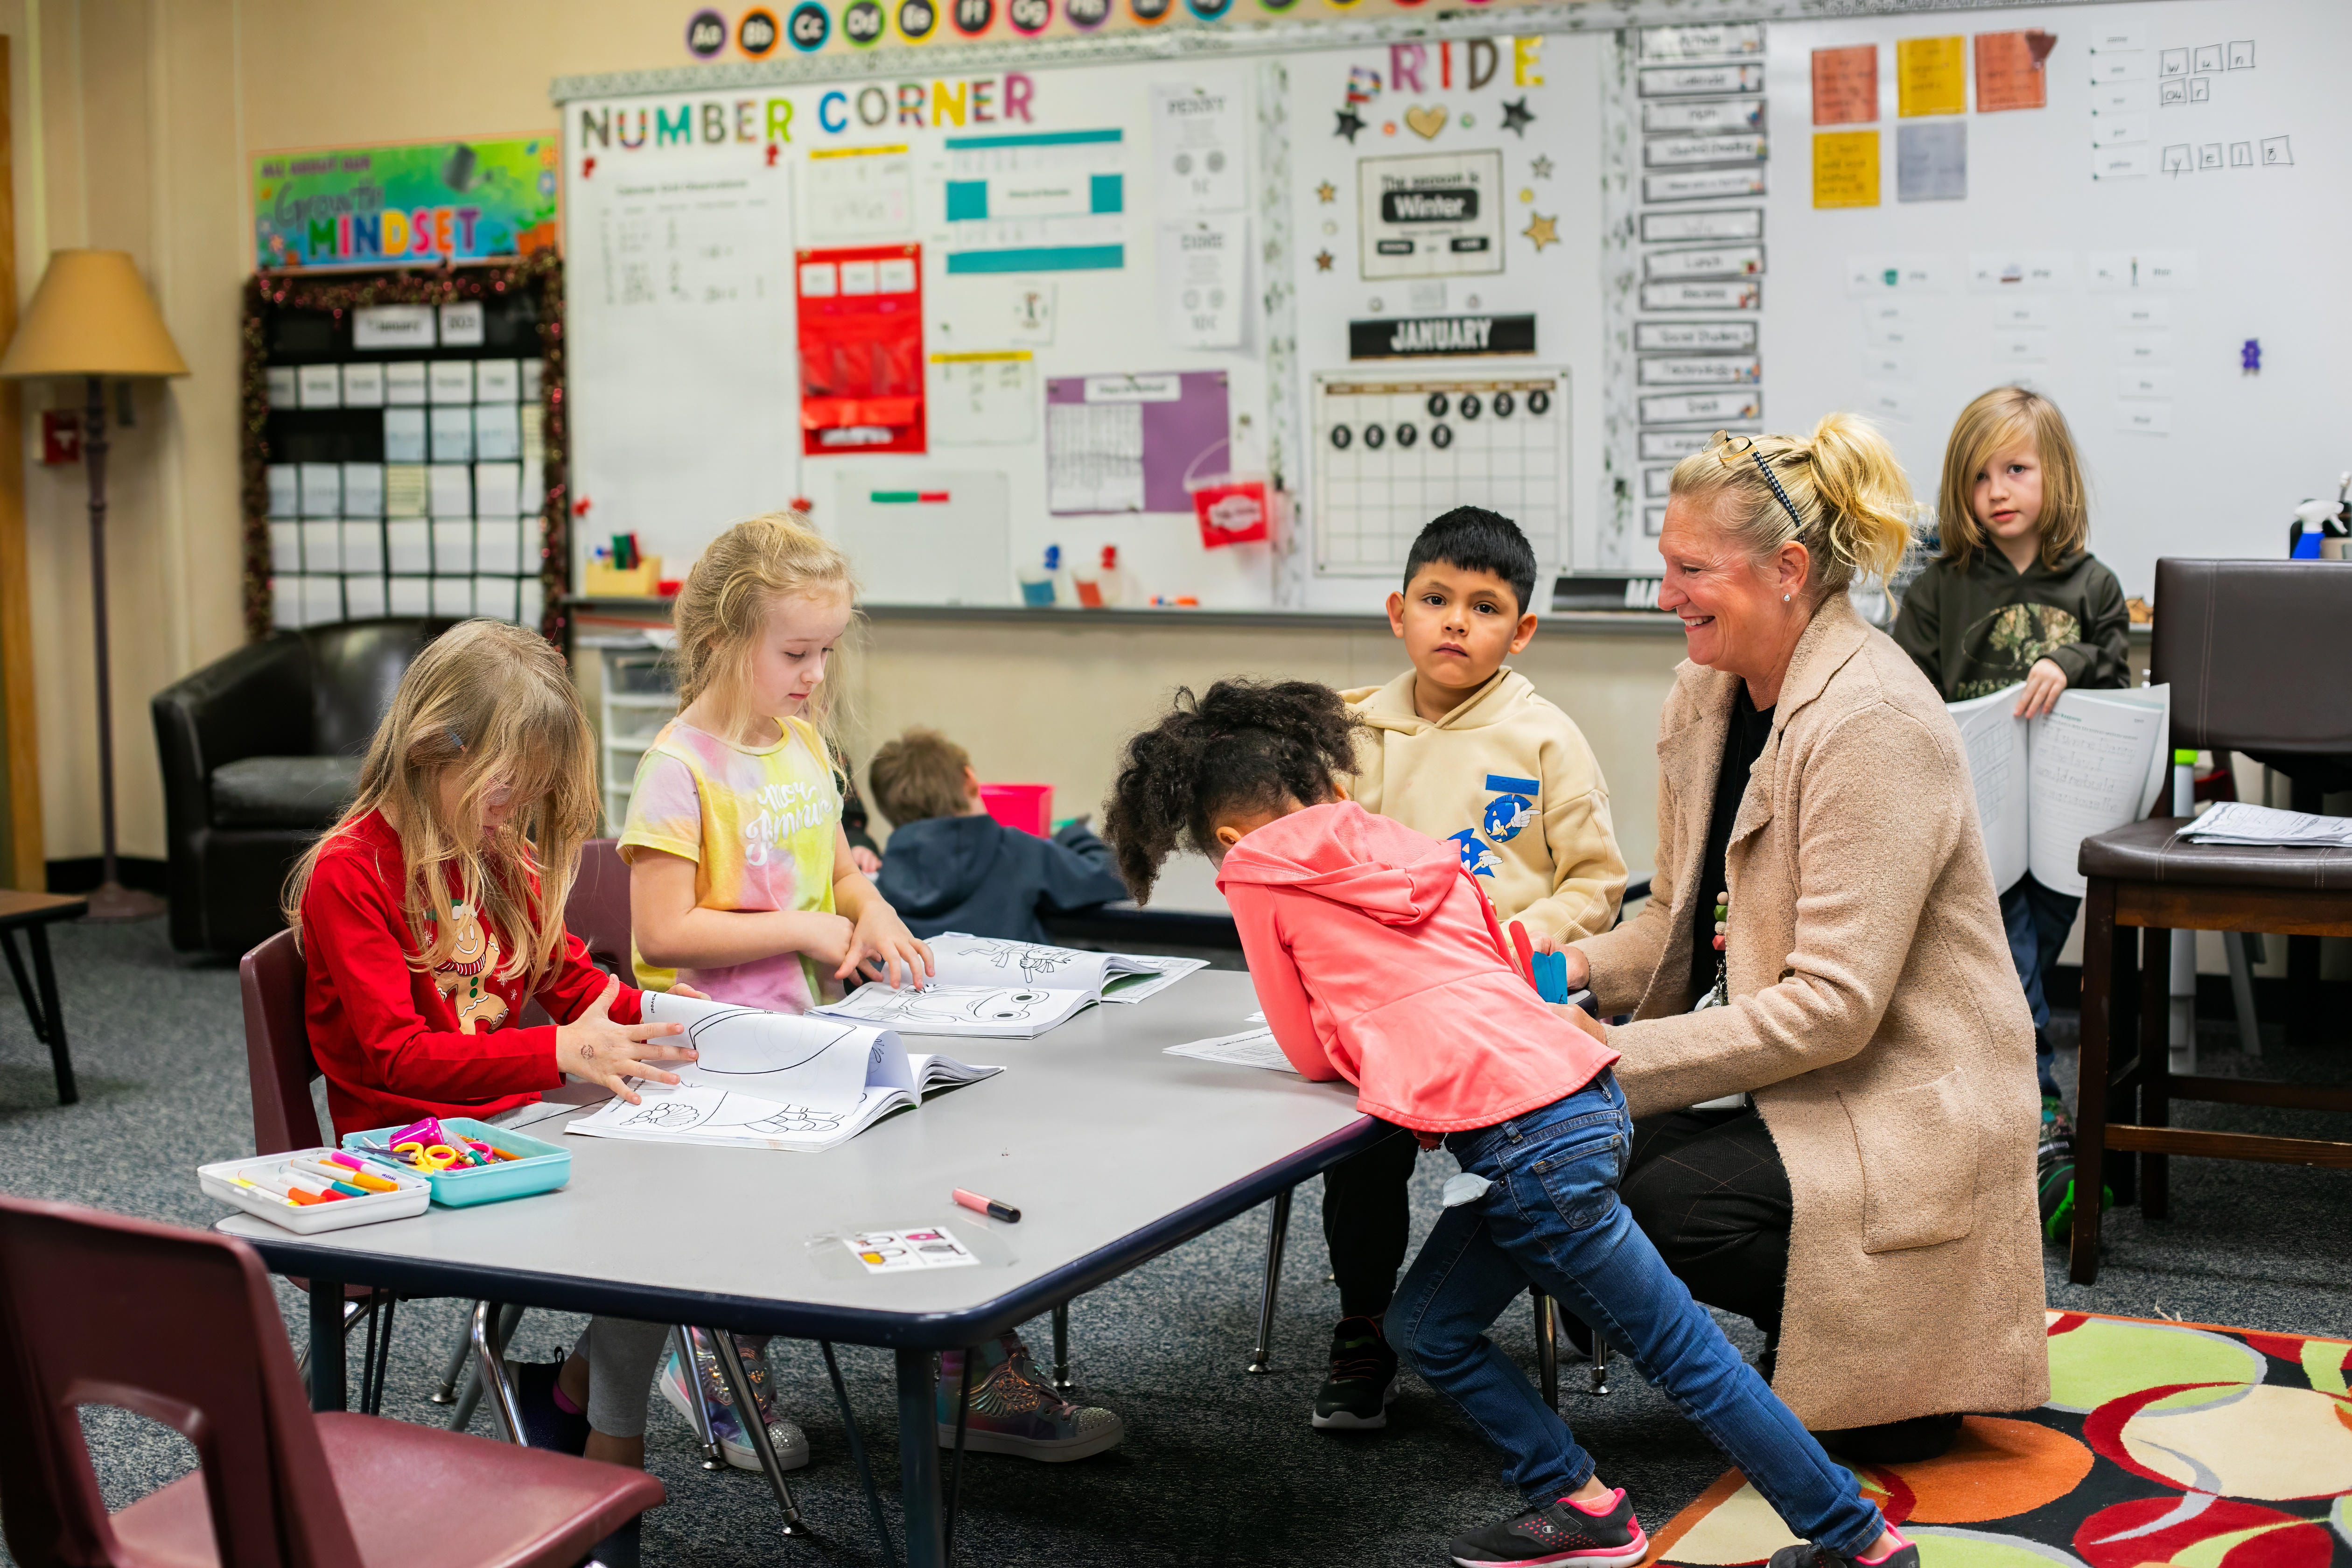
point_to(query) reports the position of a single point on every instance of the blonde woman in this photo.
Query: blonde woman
(1827, 1052)
(741, 880)
(432, 911)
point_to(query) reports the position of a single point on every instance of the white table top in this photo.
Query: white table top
(1112, 1151)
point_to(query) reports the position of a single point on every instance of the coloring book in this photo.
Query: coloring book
(771, 1080)
(2096, 762)
(989, 987)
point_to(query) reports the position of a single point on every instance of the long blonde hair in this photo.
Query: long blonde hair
(724, 604)
(2000, 419)
(497, 703)
(1853, 503)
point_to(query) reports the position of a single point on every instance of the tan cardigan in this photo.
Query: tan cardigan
(1875, 1018)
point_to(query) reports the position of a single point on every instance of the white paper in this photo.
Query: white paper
(1430, 214)
(531, 601)
(1995, 740)
(451, 430)
(285, 386)
(850, 195)
(452, 548)
(2239, 822)
(1197, 148)
(453, 596)
(285, 490)
(912, 1249)
(498, 433)
(322, 547)
(403, 436)
(497, 487)
(1250, 1048)
(391, 327)
(363, 385)
(364, 598)
(497, 381)
(532, 420)
(2090, 766)
(497, 545)
(363, 489)
(318, 386)
(449, 381)
(322, 490)
(409, 596)
(1094, 457)
(986, 1012)
(404, 382)
(984, 399)
(285, 602)
(534, 371)
(1203, 264)
(494, 597)
(408, 548)
(462, 324)
(449, 488)
(404, 489)
(285, 549)
(363, 548)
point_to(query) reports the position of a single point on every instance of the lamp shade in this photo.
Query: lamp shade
(91, 316)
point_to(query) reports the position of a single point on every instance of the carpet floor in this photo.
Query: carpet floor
(1218, 1466)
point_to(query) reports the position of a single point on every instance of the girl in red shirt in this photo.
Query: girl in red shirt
(434, 910)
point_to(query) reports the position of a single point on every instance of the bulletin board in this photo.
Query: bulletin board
(1381, 268)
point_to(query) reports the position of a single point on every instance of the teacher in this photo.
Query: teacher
(1830, 1061)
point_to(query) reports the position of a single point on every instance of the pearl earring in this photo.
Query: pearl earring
(1784, 599)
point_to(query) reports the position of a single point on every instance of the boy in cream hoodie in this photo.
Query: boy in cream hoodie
(1462, 749)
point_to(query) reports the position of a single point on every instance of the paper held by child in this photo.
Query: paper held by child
(996, 988)
(1250, 1048)
(1103, 976)
(771, 1080)
(2096, 762)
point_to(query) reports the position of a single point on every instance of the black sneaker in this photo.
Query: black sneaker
(1805, 1555)
(1363, 1379)
(1560, 1532)
(545, 1424)
(2053, 1173)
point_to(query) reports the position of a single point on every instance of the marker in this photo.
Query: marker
(330, 1183)
(988, 1206)
(265, 1192)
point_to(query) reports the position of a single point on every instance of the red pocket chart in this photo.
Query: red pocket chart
(861, 346)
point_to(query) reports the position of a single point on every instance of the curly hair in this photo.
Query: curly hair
(1242, 745)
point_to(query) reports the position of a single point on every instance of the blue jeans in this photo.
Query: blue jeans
(2038, 921)
(1552, 1219)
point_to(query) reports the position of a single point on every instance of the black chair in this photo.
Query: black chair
(260, 753)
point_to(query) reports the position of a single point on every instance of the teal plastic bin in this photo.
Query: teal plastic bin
(543, 1166)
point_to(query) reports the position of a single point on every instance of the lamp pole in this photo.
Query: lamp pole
(111, 901)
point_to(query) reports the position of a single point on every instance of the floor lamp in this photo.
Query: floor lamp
(93, 318)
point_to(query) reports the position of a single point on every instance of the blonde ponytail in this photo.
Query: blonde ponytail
(724, 604)
(1851, 503)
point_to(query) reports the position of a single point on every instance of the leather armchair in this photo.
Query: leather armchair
(261, 752)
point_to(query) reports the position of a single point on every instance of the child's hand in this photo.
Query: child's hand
(868, 863)
(1580, 968)
(680, 988)
(2044, 684)
(881, 943)
(593, 1047)
(1580, 1018)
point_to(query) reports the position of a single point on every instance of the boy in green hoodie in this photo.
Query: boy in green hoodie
(1463, 749)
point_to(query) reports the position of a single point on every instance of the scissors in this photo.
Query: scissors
(438, 1157)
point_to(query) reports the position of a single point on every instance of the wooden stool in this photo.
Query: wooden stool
(2146, 877)
(33, 913)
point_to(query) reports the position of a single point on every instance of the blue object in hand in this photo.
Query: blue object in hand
(1550, 975)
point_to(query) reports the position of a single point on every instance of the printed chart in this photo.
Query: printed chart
(1394, 451)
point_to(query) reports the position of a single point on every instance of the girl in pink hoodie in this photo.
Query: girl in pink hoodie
(1379, 961)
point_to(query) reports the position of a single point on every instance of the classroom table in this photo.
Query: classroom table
(34, 913)
(1113, 1151)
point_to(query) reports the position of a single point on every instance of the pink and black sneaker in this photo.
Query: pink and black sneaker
(1564, 1533)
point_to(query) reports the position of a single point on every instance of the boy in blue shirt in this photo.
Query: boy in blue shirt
(949, 865)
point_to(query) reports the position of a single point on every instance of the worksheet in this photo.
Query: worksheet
(2093, 762)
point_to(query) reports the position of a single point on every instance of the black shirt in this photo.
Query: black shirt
(1742, 743)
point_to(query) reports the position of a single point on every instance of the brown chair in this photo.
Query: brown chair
(2236, 639)
(278, 1486)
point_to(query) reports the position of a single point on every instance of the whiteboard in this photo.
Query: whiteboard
(2253, 252)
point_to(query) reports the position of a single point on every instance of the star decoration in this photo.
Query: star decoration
(1350, 123)
(1542, 230)
(1541, 167)
(1326, 193)
(1322, 261)
(1517, 118)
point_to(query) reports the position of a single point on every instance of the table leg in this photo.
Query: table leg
(327, 1387)
(1262, 1358)
(2155, 1063)
(2101, 942)
(747, 1416)
(45, 976)
(1547, 1348)
(919, 1459)
(24, 985)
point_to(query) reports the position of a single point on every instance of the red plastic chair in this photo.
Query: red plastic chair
(598, 909)
(279, 1487)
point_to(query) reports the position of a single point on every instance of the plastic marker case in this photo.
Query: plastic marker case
(543, 1168)
(219, 1180)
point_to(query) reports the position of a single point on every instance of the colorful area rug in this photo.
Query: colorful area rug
(2179, 1444)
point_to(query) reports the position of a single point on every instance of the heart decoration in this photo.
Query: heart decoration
(1426, 122)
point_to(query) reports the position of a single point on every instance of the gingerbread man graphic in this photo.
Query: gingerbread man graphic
(461, 977)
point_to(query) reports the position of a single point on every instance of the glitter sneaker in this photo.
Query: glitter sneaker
(1561, 1533)
(789, 1441)
(1013, 1410)
(1355, 1397)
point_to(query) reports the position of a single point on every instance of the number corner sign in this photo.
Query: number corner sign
(814, 27)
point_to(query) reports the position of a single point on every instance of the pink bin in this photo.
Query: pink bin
(1029, 807)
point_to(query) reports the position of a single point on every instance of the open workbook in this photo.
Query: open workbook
(2096, 762)
(988, 987)
(771, 1080)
